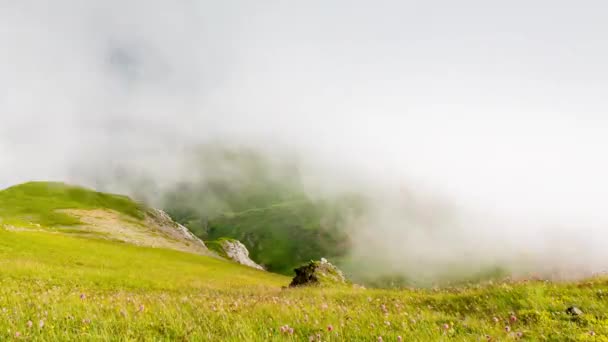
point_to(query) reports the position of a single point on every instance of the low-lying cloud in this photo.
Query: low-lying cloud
(497, 111)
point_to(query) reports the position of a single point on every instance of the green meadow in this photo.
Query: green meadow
(55, 286)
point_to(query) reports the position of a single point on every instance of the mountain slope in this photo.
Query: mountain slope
(261, 202)
(283, 236)
(66, 209)
(67, 286)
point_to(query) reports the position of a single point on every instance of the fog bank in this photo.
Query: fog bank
(477, 129)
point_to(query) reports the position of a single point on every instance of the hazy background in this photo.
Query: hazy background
(497, 109)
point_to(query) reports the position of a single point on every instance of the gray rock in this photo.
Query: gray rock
(574, 311)
(318, 273)
(237, 252)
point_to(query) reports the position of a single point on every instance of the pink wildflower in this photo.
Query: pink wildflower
(507, 328)
(446, 326)
(83, 296)
(513, 319)
(30, 324)
(330, 328)
(17, 334)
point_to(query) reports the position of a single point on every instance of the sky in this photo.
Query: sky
(499, 107)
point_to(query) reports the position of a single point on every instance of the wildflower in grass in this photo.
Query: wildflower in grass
(324, 306)
(592, 333)
(141, 308)
(399, 338)
(311, 338)
(507, 328)
(86, 321)
(330, 328)
(17, 334)
(83, 296)
(519, 334)
(446, 326)
(30, 324)
(379, 338)
(512, 318)
(495, 319)
(290, 331)
(41, 324)
(387, 323)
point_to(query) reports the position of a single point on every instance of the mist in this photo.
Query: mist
(477, 130)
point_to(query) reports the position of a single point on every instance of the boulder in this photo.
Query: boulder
(318, 273)
(236, 251)
(574, 311)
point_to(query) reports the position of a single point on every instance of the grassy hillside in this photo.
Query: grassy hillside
(56, 286)
(282, 236)
(67, 209)
(82, 289)
(39, 201)
(262, 203)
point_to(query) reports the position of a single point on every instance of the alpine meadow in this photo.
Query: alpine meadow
(196, 170)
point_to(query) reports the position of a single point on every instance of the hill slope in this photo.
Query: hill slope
(66, 209)
(57, 286)
(282, 236)
(243, 195)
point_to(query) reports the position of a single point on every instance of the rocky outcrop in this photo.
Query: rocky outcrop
(155, 229)
(318, 273)
(165, 223)
(236, 251)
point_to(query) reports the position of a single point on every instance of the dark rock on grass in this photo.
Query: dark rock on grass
(574, 311)
(318, 273)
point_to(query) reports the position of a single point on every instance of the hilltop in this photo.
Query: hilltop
(67, 209)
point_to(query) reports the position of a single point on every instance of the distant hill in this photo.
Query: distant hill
(262, 203)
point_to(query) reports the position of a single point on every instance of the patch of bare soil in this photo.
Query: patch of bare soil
(155, 231)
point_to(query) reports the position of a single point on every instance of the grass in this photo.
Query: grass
(38, 202)
(217, 246)
(135, 293)
(56, 287)
(282, 236)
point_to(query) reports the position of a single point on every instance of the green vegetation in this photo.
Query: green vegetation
(282, 236)
(261, 203)
(56, 287)
(217, 246)
(83, 289)
(38, 202)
